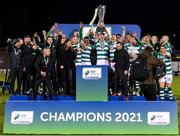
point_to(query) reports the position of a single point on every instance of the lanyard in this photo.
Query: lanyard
(46, 61)
(17, 51)
(29, 46)
(49, 46)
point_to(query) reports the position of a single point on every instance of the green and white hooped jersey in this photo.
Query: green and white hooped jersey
(126, 46)
(78, 53)
(168, 63)
(112, 49)
(102, 49)
(85, 54)
(75, 46)
(168, 47)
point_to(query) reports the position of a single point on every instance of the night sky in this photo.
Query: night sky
(156, 17)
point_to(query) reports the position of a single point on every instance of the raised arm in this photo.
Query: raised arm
(137, 40)
(80, 31)
(44, 35)
(37, 40)
(123, 33)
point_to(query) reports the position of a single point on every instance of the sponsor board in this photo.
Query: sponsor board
(22, 117)
(72, 117)
(91, 73)
(158, 118)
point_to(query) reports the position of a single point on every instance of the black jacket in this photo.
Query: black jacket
(43, 64)
(28, 55)
(69, 59)
(53, 51)
(60, 54)
(53, 47)
(121, 59)
(16, 59)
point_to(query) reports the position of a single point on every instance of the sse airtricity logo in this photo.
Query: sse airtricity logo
(91, 73)
(16, 116)
(22, 117)
(158, 118)
(153, 117)
(86, 72)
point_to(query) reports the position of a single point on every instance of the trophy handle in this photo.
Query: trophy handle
(94, 17)
(123, 31)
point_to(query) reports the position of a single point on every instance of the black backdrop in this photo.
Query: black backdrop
(154, 16)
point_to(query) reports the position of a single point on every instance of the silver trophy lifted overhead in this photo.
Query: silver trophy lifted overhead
(100, 11)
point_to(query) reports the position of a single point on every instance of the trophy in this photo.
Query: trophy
(100, 11)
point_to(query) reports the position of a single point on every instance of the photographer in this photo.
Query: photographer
(148, 85)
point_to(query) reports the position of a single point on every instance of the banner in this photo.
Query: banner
(68, 29)
(72, 117)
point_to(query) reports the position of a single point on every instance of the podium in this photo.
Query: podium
(91, 112)
(92, 83)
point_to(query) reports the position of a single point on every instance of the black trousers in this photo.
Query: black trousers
(28, 81)
(47, 82)
(149, 91)
(24, 82)
(120, 76)
(69, 80)
(157, 86)
(110, 78)
(74, 80)
(53, 78)
(16, 73)
(62, 79)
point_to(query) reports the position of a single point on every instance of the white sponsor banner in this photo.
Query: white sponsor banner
(91, 73)
(158, 118)
(22, 117)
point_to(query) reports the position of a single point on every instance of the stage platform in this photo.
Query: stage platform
(92, 111)
(65, 115)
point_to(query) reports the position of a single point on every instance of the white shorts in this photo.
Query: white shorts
(103, 62)
(77, 63)
(166, 79)
(86, 63)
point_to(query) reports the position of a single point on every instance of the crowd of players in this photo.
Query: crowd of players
(49, 63)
